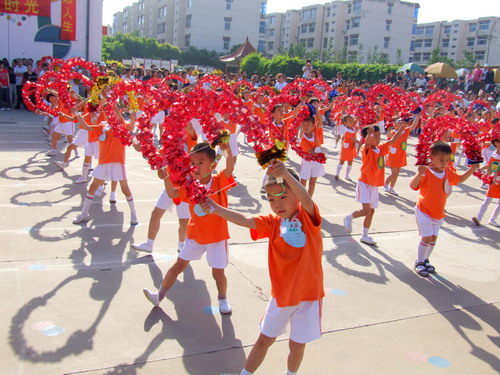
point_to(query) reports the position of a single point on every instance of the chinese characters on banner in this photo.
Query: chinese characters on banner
(29, 7)
(68, 20)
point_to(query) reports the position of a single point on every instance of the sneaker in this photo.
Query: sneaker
(336, 178)
(77, 154)
(348, 224)
(476, 221)
(393, 192)
(51, 153)
(2, 109)
(386, 188)
(142, 247)
(263, 191)
(494, 223)
(224, 306)
(81, 180)
(484, 186)
(429, 267)
(112, 198)
(347, 178)
(420, 269)
(368, 240)
(152, 297)
(81, 219)
(9, 109)
(61, 165)
(133, 220)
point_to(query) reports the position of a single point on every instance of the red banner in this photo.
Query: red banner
(68, 20)
(29, 7)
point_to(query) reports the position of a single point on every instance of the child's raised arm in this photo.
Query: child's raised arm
(228, 171)
(169, 188)
(209, 206)
(464, 176)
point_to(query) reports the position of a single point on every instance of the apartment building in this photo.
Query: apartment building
(480, 36)
(212, 24)
(358, 25)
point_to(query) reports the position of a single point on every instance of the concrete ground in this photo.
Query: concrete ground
(72, 299)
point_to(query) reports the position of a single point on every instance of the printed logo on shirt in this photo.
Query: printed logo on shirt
(381, 162)
(404, 146)
(292, 233)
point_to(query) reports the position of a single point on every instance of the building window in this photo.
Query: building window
(271, 33)
(387, 40)
(161, 41)
(412, 45)
(417, 56)
(327, 27)
(418, 43)
(226, 41)
(162, 12)
(482, 40)
(188, 21)
(308, 14)
(429, 30)
(479, 55)
(356, 6)
(312, 27)
(125, 13)
(227, 23)
(426, 56)
(187, 40)
(125, 27)
(262, 27)
(261, 46)
(325, 42)
(263, 8)
(310, 43)
(389, 8)
(472, 27)
(428, 43)
(446, 43)
(349, 9)
(470, 42)
(484, 25)
(444, 54)
(271, 20)
(189, 3)
(141, 5)
(447, 29)
(347, 25)
(420, 31)
(328, 12)
(346, 41)
(303, 29)
(388, 25)
(162, 27)
(228, 4)
(270, 45)
(353, 41)
(140, 20)
(355, 22)
(415, 13)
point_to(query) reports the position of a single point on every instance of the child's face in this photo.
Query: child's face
(375, 138)
(203, 165)
(315, 104)
(278, 113)
(440, 160)
(260, 99)
(308, 126)
(349, 123)
(284, 205)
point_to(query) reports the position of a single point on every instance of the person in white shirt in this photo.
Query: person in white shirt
(19, 71)
(307, 69)
(421, 81)
(281, 82)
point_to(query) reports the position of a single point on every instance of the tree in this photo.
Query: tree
(375, 56)
(399, 59)
(297, 50)
(235, 47)
(467, 62)
(339, 56)
(437, 57)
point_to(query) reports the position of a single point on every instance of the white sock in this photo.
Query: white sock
(350, 217)
(484, 207)
(288, 372)
(150, 242)
(339, 168)
(429, 250)
(130, 201)
(86, 205)
(365, 231)
(180, 245)
(422, 250)
(112, 196)
(348, 171)
(99, 190)
(85, 169)
(245, 372)
(495, 213)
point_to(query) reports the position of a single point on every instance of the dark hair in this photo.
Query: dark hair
(272, 180)
(364, 131)
(204, 148)
(276, 107)
(49, 96)
(493, 141)
(345, 118)
(441, 147)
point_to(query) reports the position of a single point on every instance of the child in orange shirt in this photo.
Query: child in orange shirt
(205, 233)
(233, 138)
(434, 183)
(493, 189)
(311, 141)
(259, 108)
(372, 176)
(111, 167)
(349, 144)
(295, 251)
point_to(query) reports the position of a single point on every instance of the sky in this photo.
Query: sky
(430, 10)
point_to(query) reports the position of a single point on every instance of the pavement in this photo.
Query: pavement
(72, 300)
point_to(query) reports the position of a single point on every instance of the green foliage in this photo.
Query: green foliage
(119, 64)
(467, 62)
(203, 57)
(399, 59)
(436, 57)
(254, 62)
(127, 46)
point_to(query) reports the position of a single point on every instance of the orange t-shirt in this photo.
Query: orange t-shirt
(308, 145)
(260, 111)
(209, 228)
(96, 132)
(248, 104)
(283, 128)
(494, 188)
(228, 125)
(372, 167)
(111, 150)
(65, 114)
(396, 158)
(296, 272)
(348, 151)
(433, 196)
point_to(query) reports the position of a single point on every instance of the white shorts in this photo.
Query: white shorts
(381, 125)
(166, 203)
(427, 226)
(158, 118)
(110, 172)
(367, 194)
(81, 139)
(92, 149)
(65, 128)
(217, 253)
(304, 318)
(310, 169)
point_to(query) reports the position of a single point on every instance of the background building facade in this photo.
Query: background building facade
(212, 24)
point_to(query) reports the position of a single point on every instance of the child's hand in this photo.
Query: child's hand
(224, 146)
(137, 147)
(207, 207)
(162, 173)
(277, 169)
(421, 170)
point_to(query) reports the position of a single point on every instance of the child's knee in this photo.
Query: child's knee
(296, 348)
(180, 265)
(218, 273)
(265, 341)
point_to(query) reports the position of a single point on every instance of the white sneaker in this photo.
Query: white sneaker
(133, 220)
(368, 240)
(81, 219)
(100, 190)
(51, 153)
(393, 192)
(484, 186)
(494, 223)
(61, 164)
(347, 178)
(81, 180)
(224, 306)
(152, 297)
(348, 224)
(386, 188)
(142, 247)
